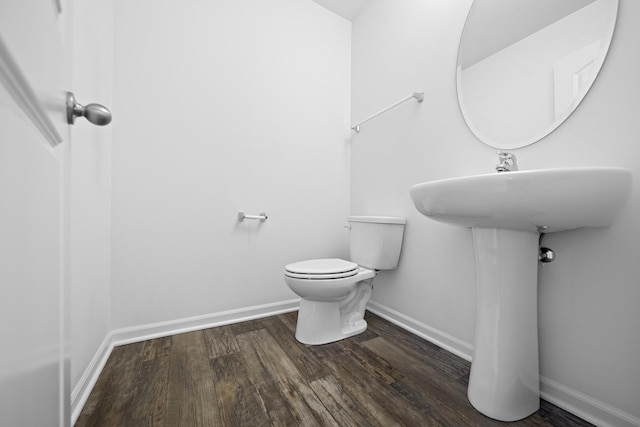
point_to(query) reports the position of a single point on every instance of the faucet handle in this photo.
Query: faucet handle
(508, 162)
(503, 155)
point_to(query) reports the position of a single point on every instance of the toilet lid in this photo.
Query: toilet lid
(330, 268)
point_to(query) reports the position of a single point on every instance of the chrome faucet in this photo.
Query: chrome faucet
(507, 162)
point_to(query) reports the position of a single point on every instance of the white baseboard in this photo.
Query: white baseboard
(579, 404)
(441, 339)
(87, 381)
(162, 329)
(129, 335)
(585, 407)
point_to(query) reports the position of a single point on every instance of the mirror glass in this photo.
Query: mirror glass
(525, 65)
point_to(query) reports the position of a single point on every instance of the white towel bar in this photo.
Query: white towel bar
(419, 96)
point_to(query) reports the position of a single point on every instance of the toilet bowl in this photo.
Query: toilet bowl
(334, 292)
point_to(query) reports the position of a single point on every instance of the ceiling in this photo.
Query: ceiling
(348, 9)
(501, 22)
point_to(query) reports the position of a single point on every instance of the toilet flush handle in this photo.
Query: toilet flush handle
(348, 226)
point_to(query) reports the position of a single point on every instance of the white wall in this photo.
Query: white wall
(90, 176)
(588, 298)
(221, 107)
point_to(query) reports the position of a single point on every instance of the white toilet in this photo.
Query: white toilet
(335, 292)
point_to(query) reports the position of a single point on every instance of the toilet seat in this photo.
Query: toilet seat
(321, 269)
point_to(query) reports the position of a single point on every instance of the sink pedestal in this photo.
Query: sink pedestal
(504, 382)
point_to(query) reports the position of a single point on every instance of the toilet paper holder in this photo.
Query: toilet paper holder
(242, 216)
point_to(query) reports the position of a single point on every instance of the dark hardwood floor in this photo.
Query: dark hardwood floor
(256, 374)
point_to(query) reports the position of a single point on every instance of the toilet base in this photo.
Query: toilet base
(321, 323)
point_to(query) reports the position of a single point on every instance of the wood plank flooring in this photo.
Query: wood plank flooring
(256, 374)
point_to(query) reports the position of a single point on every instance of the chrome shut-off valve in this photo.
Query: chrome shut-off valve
(546, 255)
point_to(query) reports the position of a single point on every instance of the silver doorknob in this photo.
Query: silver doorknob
(95, 113)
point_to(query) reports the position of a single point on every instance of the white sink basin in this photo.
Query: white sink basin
(545, 200)
(507, 212)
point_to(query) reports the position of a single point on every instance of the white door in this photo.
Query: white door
(34, 74)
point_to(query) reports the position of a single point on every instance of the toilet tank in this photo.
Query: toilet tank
(375, 241)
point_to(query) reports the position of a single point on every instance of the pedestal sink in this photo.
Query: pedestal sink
(507, 212)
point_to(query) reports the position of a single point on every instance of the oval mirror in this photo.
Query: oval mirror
(525, 65)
